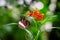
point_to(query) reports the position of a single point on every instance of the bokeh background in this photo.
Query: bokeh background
(10, 11)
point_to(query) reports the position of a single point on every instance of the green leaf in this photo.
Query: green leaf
(52, 18)
(29, 35)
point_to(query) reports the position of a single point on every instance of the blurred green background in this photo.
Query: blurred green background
(10, 11)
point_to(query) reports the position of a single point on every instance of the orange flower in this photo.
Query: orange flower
(36, 14)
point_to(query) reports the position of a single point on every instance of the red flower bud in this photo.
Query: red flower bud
(36, 15)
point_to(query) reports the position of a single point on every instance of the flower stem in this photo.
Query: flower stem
(29, 34)
(36, 38)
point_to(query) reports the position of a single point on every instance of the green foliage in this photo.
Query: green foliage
(9, 22)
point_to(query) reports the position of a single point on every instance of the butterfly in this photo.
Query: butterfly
(24, 21)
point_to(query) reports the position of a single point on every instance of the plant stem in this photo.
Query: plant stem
(29, 34)
(44, 36)
(36, 38)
